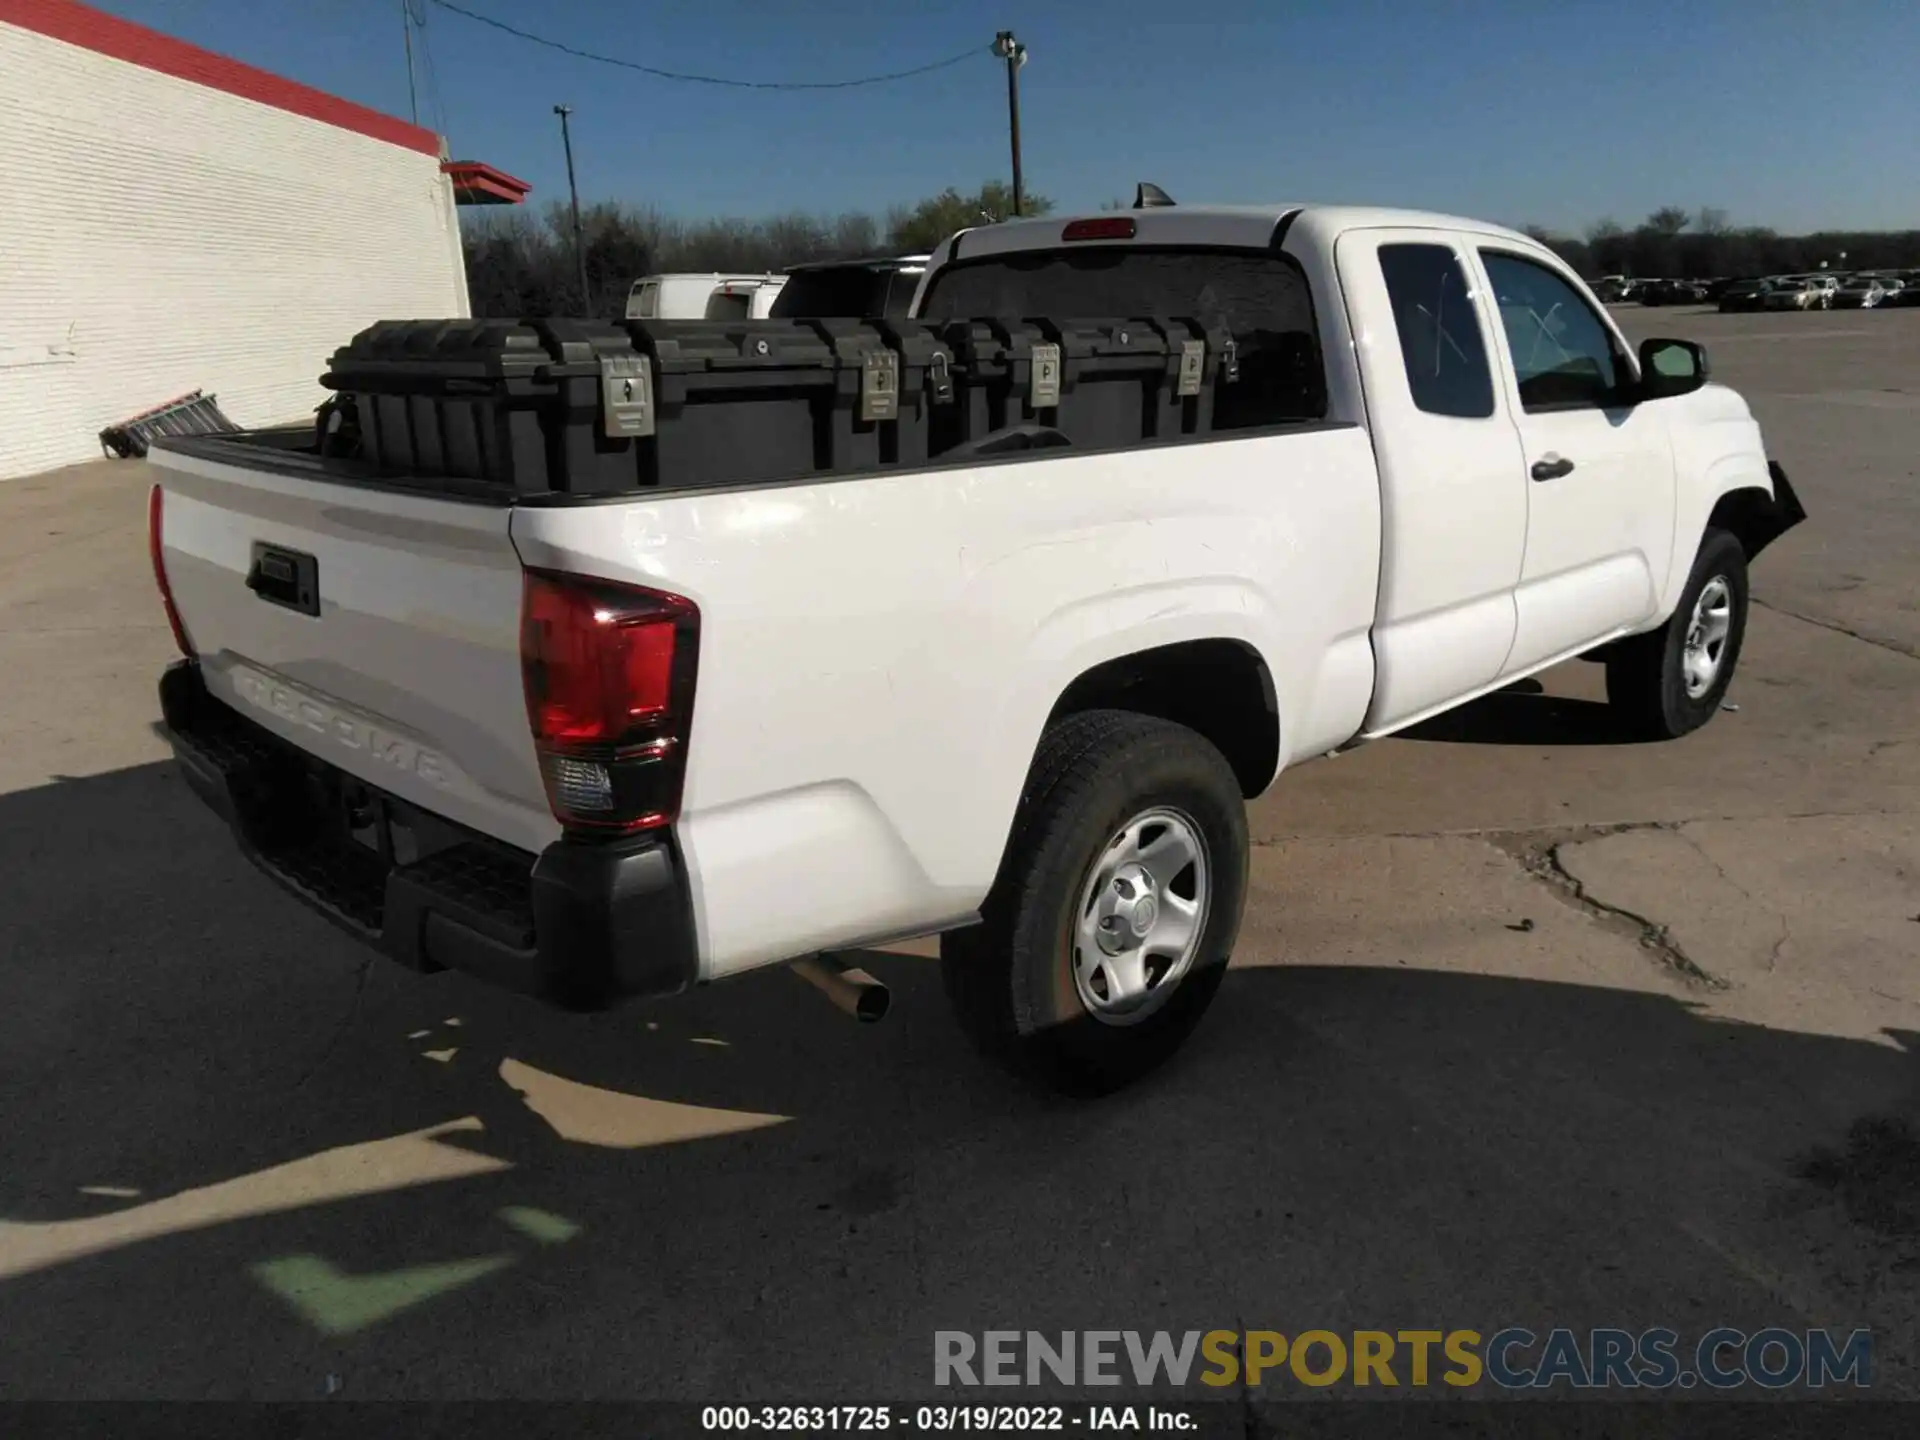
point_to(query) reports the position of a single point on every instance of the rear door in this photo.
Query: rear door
(763, 297)
(732, 301)
(1597, 472)
(1454, 506)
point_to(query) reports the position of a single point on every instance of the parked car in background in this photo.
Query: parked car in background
(680, 297)
(1672, 292)
(1797, 292)
(1744, 295)
(1860, 292)
(1895, 288)
(872, 289)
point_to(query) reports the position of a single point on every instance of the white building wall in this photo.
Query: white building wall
(158, 236)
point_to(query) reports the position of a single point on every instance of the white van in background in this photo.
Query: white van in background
(745, 299)
(681, 297)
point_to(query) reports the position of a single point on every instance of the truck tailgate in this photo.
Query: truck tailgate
(380, 631)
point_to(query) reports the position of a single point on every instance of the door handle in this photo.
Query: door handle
(1551, 467)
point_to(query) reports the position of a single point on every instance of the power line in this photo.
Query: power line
(660, 74)
(436, 107)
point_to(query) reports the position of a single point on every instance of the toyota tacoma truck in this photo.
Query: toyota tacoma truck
(596, 746)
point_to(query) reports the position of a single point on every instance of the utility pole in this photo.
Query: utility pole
(406, 20)
(1015, 54)
(573, 191)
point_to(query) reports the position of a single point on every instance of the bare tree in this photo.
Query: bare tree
(1668, 220)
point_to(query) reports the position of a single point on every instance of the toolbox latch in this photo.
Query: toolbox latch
(1043, 387)
(1193, 366)
(879, 386)
(940, 379)
(626, 392)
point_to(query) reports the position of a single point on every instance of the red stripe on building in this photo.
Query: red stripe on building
(109, 35)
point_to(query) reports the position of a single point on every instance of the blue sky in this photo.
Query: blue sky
(1781, 112)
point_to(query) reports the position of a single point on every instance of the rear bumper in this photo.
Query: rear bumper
(582, 924)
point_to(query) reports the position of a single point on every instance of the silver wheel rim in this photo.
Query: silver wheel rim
(1706, 647)
(1141, 916)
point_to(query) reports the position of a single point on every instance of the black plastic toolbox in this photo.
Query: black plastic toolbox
(998, 384)
(684, 403)
(1198, 362)
(463, 399)
(590, 407)
(866, 401)
(1111, 375)
(1102, 383)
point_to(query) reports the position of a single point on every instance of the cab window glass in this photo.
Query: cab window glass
(1440, 340)
(1563, 355)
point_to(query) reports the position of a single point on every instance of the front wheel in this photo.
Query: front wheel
(1668, 682)
(1108, 931)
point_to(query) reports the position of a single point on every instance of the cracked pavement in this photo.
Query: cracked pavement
(1528, 1026)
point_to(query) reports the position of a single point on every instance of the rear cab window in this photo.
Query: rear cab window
(1441, 343)
(1260, 297)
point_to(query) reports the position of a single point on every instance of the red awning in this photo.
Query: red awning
(478, 184)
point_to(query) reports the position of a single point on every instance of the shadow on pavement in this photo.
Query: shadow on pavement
(1524, 714)
(292, 1169)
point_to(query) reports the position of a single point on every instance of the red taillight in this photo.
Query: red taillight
(1107, 227)
(155, 526)
(609, 672)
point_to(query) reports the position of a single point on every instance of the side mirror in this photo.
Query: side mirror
(1672, 367)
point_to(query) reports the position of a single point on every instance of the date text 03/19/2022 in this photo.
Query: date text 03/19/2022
(945, 1419)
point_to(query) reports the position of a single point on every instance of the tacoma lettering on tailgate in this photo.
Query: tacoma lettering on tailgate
(343, 729)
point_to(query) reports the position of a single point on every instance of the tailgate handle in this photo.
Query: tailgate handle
(285, 577)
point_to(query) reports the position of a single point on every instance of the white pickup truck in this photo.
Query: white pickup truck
(603, 746)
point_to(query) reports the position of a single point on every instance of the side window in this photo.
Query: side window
(648, 301)
(1440, 340)
(1563, 356)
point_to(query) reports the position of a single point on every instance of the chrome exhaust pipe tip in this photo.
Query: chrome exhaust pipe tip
(852, 990)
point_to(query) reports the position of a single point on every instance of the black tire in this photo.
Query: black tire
(1011, 978)
(1646, 675)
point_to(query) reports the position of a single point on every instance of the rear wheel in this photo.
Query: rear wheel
(1668, 682)
(1108, 930)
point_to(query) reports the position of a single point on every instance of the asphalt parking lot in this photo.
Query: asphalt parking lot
(1530, 1027)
